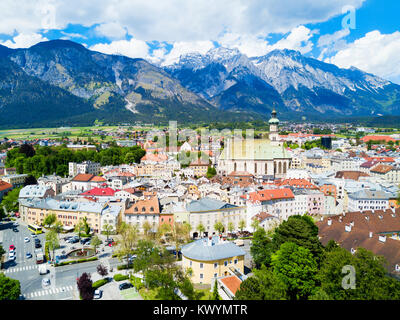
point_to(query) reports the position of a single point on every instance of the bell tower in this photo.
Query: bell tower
(273, 127)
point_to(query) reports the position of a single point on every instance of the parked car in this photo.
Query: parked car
(28, 255)
(38, 245)
(26, 239)
(85, 240)
(37, 240)
(67, 238)
(11, 247)
(33, 235)
(45, 282)
(73, 240)
(16, 224)
(98, 294)
(125, 285)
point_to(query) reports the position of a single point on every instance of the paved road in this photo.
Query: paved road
(62, 279)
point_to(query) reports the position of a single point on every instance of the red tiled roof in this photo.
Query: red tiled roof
(144, 207)
(100, 192)
(353, 175)
(232, 283)
(5, 185)
(382, 168)
(377, 138)
(98, 179)
(83, 177)
(271, 194)
(298, 183)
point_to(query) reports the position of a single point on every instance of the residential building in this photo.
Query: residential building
(210, 258)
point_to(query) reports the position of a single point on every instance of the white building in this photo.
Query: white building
(84, 167)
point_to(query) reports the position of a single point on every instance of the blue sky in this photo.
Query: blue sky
(162, 31)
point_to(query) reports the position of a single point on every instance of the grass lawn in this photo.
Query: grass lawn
(129, 294)
(148, 294)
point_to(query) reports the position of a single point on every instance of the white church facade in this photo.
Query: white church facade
(260, 157)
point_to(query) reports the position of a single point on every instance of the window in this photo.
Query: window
(225, 263)
(201, 276)
(190, 263)
(215, 275)
(235, 261)
(215, 265)
(201, 266)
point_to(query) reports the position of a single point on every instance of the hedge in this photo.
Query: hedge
(97, 284)
(120, 277)
(75, 261)
(124, 267)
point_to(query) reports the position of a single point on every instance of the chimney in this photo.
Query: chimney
(329, 221)
(347, 227)
(352, 223)
(344, 214)
(382, 238)
(370, 234)
(340, 218)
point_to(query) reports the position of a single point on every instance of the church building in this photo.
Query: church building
(259, 157)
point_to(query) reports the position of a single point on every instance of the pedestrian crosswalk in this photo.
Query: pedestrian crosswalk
(20, 269)
(46, 292)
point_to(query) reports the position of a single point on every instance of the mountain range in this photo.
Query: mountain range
(60, 82)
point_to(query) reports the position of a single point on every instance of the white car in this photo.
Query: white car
(16, 224)
(45, 282)
(11, 256)
(26, 239)
(97, 294)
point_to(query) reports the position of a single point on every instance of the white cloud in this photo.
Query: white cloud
(298, 39)
(375, 53)
(330, 43)
(252, 46)
(132, 48)
(169, 20)
(111, 30)
(24, 40)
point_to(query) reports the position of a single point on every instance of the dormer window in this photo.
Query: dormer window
(151, 209)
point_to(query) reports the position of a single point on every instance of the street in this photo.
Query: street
(62, 279)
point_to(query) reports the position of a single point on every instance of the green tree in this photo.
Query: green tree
(261, 248)
(180, 234)
(300, 230)
(242, 225)
(50, 219)
(95, 242)
(107, 228)
(215, 294)
(296, 267)
(211, 172)
(80, 227)
(10, 200)
(129, 237)
(231, 226)
(219, 227)
(263, 285)
(52, 241)
(201, 229)
(2, 252)
(10, 289)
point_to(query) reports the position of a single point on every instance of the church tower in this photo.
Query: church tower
(273, 127)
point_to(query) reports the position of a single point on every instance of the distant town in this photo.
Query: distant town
(127, 213)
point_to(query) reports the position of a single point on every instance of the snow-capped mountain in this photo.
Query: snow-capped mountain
(285, 79)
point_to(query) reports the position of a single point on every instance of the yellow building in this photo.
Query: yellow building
(210, 258)
(34, 211)
(199, 168)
